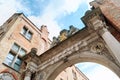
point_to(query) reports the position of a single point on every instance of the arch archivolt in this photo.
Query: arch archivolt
(82, 52)
(85, 56)
(92, 44)
(90, 49)
(82, 45)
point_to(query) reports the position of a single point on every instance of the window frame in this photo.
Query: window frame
(26, 33)
(74, 75)
(16, 56)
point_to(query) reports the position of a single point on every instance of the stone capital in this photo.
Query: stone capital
(97, 24)
(102, 31)
(94, 19)
(31, 66)
(28, 72)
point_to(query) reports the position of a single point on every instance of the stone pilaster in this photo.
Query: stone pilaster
(95, 21)
(31, 68)
(112, 43)
(28, 75)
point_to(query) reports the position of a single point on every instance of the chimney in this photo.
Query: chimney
(45, 32)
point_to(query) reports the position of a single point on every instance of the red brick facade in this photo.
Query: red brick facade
(111, 11)
(12, 33)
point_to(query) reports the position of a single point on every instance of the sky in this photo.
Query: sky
(96, 71)
(56, 15)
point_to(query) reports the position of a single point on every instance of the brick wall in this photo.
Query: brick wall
(13, 35)
(111, 10)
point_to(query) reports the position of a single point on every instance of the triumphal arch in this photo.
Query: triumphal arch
(94, 43)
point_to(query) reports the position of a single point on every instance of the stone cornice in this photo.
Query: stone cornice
(91, 14)
(64, 44)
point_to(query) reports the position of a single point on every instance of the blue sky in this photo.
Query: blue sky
(96, 71)
(57, 15)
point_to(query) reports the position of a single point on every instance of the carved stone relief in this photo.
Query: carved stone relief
(97, 47)
(40, 75)
(93, 43)
(6, 76)
(100, 2)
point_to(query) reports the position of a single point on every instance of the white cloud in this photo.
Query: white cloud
(52, 11)
(55, 9)
(106, 74)
(52, 25)
(87, 2)
(8, 8)
(61, 8)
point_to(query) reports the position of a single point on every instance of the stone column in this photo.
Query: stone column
(112, 43)
(28, 75)
(95, 21)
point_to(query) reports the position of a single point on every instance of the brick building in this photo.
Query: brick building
(18, 35)
(111, 11)
(71, 73)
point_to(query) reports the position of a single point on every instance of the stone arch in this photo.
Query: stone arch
(8, 75)
(94, 43)
(86, 56)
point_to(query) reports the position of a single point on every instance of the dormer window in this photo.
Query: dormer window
(26, 33)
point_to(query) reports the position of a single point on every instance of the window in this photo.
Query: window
(15, 48)
(14, 56)
(28, 34)
(9, 59)
(22, 52)
(24, 30)
(74, 75)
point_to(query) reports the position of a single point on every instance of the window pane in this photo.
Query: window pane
(17, 64)
(18, 61)
(8, 62)
(16, 67)
(9, 59)
(22, 52)
(24, 30)
(15, 47)
(10, 56)
(29, 35)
